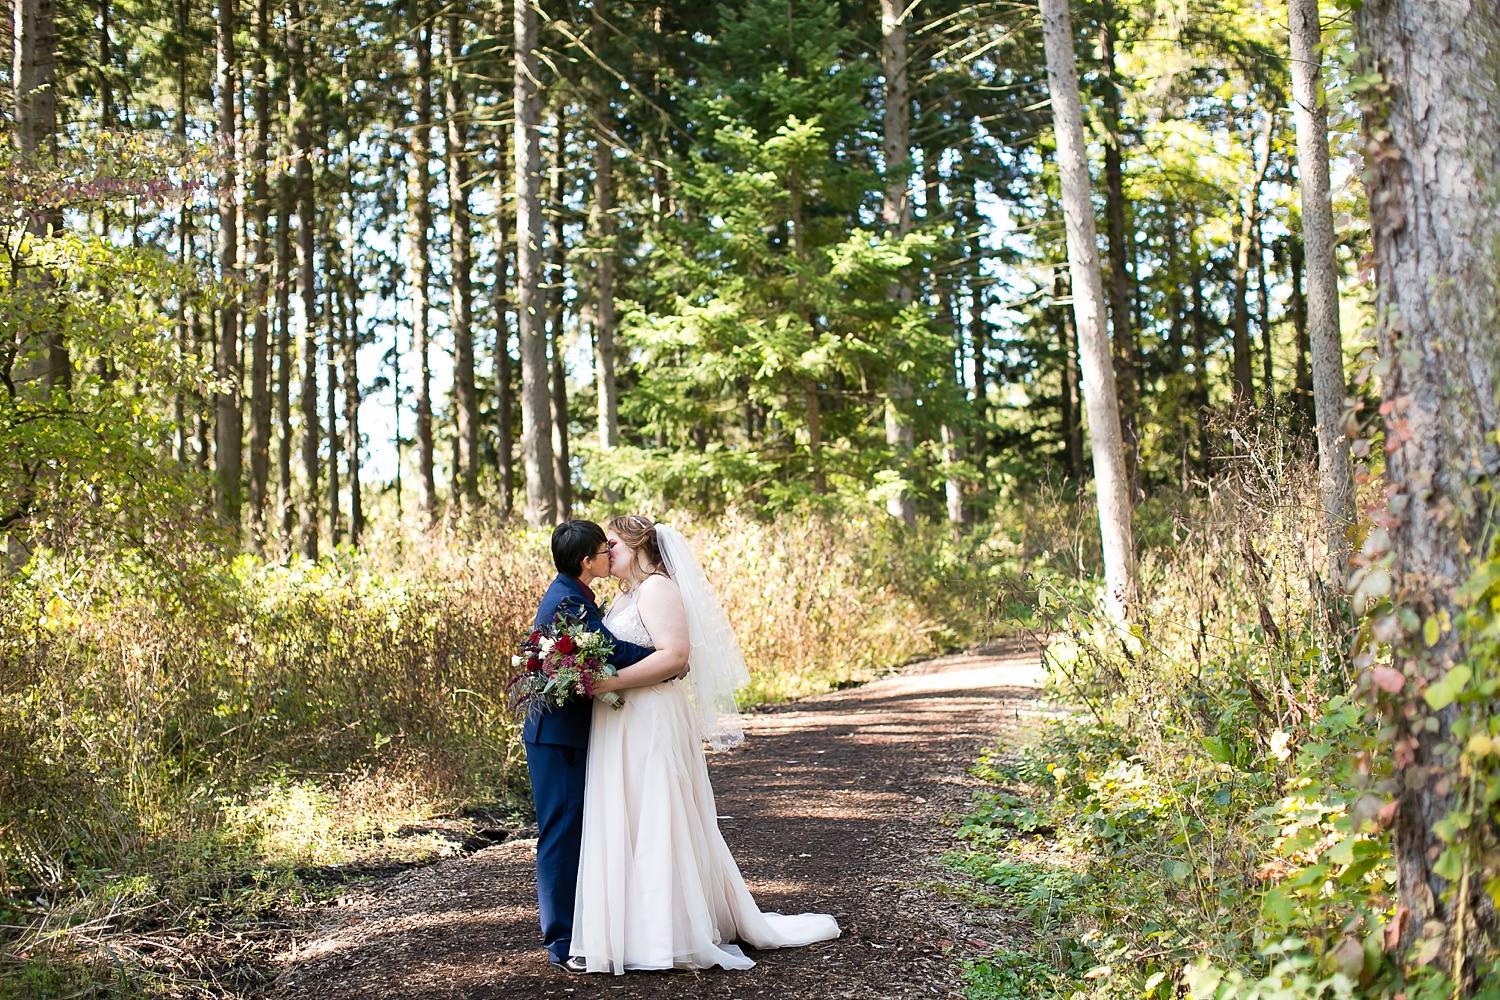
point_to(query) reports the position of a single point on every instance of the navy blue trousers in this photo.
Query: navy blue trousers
(557, 774)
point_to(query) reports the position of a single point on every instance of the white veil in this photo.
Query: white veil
(716, 665)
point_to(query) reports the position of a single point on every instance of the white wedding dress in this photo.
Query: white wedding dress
(657, 886)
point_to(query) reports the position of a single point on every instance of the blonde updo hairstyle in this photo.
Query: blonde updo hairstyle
(639, 532)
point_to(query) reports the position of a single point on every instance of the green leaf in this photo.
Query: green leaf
(1430, 631)
(1450, 865)
(1279, 905)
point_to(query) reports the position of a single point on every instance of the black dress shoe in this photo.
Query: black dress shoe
(572, 965)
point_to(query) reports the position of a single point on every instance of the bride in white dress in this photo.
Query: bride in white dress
(657, 886)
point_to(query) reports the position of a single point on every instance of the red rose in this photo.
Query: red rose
(565, 645)
(534, 664)
(534, 638)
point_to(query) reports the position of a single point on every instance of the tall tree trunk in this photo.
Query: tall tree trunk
(1067, 346)
(953, 451)
(229, 425)
(466, 399)
(1176, 308)
(184, 234)
(352, 440)
(422, 250)
(203, 351)
(395, 358)
(562, 472)
(34, 76)
(896, 213)
(504, 402)
(812, 404)
(260, 354)
(979, 444)
(1111, 478)
(285, 359)
(106, 91)
(1263, 320)
(1433, 179)
(1304, 405)
(296, 33)
(1244, 388)
(602, 225)
(1335, 474)
(179, 395)
(1119, 259)
(536, 421)
(1200, 362)
(41, 354)
(656, 142)
(333, 264)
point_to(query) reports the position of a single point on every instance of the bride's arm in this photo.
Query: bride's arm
(661, 611)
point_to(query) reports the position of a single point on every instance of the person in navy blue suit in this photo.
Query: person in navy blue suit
(557, 739)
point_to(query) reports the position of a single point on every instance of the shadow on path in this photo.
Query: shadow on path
(834, 804)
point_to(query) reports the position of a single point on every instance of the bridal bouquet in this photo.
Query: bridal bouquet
(561, 664)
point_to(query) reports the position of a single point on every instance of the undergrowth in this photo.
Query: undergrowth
(196, 751)
(1210, 821)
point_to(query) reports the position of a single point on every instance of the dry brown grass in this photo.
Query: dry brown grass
(179, 746)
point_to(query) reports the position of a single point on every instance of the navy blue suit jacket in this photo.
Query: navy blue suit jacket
(569, 726)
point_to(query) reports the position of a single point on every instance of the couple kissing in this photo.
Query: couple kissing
(631, 870)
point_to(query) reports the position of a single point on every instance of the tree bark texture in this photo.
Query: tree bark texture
(333, 262)
(466, 399)
(1111, 477)
(1433, 179)
(504, 402)
(1263, 320)
(229, 429)
(536, 429)
(602, 225)
(1119, 258)
(978, 330)
(422, 251)
(352, 398)
(260, 354)
(184, 223)
(953, 445)
(1067, 348)
(285, 360)
(562, 471)
(896, 213)
(1335, 474)
(1200, 361)
(1298, 306)
(34, 74)
(1244, 388)
(296, 31)
(34, 92)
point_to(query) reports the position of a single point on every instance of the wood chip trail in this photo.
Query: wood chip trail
(835, 804)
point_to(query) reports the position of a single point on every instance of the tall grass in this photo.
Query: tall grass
(1204, 793)
(175, 729)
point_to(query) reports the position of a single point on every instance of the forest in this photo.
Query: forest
(1160, 334)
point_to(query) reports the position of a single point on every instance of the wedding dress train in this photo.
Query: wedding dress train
(657, 886)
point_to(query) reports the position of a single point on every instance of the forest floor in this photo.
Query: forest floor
(842, 803)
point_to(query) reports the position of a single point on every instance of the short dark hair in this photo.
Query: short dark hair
(572, 543)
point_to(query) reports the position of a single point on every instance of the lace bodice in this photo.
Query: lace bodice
(623, 619)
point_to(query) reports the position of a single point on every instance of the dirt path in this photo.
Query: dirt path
(834, 804)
